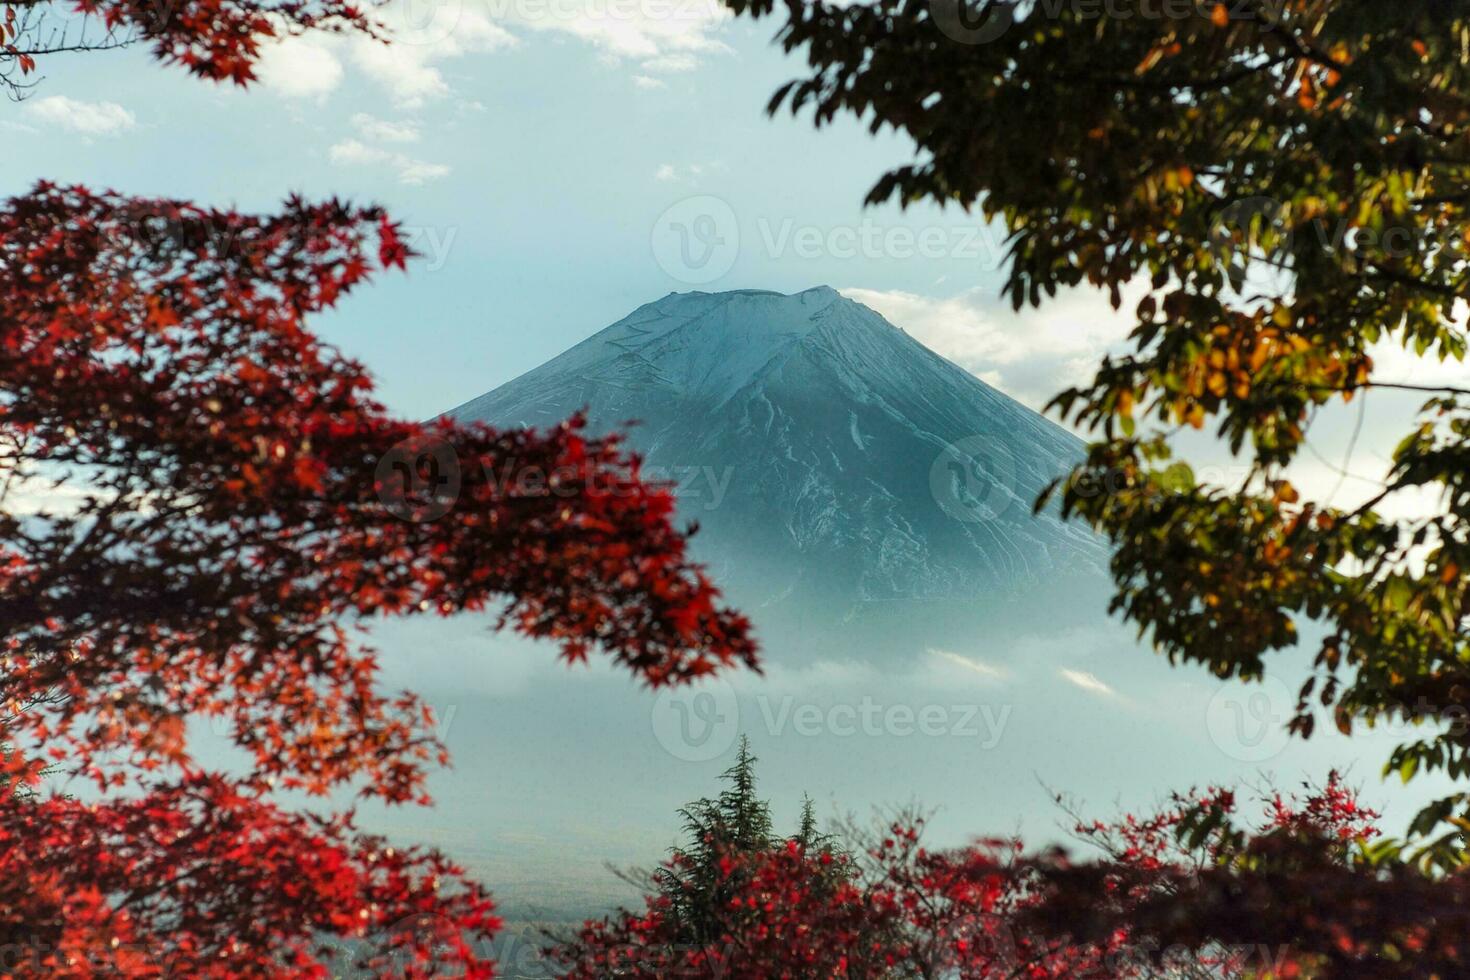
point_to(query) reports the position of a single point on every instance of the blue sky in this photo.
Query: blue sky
(547, 153)
(535, 160)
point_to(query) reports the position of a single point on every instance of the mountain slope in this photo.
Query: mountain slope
(832, 461)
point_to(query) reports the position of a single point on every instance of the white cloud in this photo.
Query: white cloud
(312, 66)
(354, 153)
(662, 37)
(419, 171)
(406, 72)
(686, 173)
(1086, 681)
(939, 670)
(669, 63)
(1032, 354)
(665, 36)
(44, 498)
(1392, 361)
(87, 118)
(303, 67)
(385, 131)
(975, 665)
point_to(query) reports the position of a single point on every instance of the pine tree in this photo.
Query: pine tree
(807, 834)
(743, 817)
(717, 831)
(707, 871)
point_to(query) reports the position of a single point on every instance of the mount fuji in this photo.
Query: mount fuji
(849, 483)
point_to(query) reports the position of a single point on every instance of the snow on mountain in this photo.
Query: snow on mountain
(833, 462)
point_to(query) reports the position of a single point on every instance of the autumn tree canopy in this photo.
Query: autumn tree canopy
(884, 904)
(194, 520)
(220, 40)
(199, 512)
(1282, 183)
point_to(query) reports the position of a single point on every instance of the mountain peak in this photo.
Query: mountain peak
(839, 453)
(697, 345)
(818, 292)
